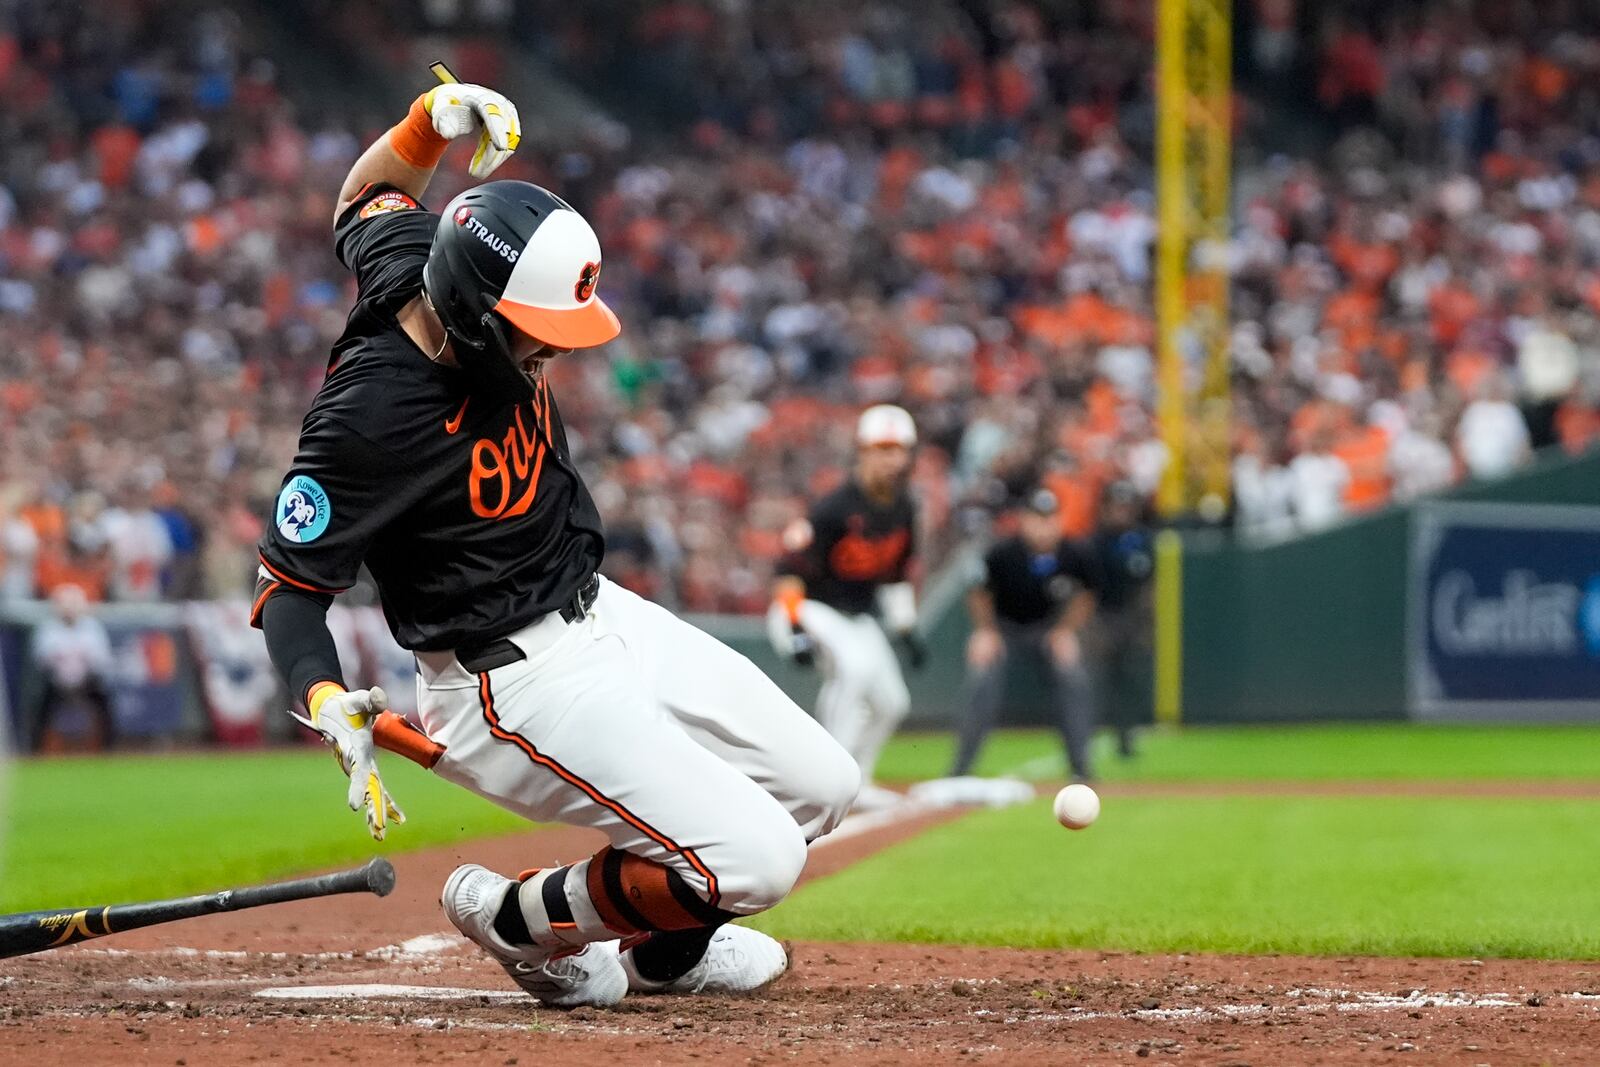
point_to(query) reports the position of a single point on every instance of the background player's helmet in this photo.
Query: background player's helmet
(886, 424)
(511, 252)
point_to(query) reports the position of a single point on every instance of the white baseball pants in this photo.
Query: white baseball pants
(636, 723)
(864, 697)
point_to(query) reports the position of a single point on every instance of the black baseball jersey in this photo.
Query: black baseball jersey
(465, 507)
(856, 544)
(1033, 587)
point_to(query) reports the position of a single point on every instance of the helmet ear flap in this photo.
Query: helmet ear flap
(496, 375)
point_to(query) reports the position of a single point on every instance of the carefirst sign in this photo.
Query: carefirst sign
(1504, 612)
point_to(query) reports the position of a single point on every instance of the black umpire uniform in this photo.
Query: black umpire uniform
(1033, 583)
(1120, 637)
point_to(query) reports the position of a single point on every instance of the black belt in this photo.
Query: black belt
(487, 655)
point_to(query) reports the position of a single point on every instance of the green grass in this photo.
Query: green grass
(89, 831)
(1390, 752)
(1306, 874)
(1323, 875)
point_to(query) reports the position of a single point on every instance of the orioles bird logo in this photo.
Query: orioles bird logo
(587, 277)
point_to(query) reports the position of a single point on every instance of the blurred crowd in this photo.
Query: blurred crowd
(821, 207)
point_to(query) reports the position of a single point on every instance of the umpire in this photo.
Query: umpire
(1120, 639)
(1037, 593)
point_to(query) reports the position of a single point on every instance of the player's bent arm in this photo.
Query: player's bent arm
(380, 164)
(409, 152)
(296, 628)
(295, 624)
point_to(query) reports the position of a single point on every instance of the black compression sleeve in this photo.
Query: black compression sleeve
(296, 628)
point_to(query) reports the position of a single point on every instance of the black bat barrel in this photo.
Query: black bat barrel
(36, 931)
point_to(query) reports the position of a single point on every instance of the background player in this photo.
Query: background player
(847, 569)
(434, 454)
(1037, 592)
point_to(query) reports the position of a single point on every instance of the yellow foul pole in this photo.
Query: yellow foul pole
(1193, 160)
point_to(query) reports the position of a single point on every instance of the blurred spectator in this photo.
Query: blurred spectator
(1319, 479)
(1547, 362)
(19, 547)
(73, 653)
(1493, 437)
(821, 207)
(139, 547)
(1419, 461)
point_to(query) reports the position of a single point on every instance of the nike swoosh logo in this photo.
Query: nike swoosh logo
(452, 425)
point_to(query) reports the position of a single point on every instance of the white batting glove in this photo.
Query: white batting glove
(345, 722)
(460, 109)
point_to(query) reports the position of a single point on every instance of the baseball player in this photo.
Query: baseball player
(847, 568)
(435, 455)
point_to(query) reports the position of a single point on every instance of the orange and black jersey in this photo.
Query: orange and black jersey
(465, 507)
(855, 545)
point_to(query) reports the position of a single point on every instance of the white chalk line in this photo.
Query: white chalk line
(417, 949)
(1052, 766)
(382, 991)
(1340, 1000)
(216, 953)
(421, 947)
(1041, 766)
(868, 821)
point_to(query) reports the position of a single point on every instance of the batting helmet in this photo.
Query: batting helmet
(886, 424)
(509, 252)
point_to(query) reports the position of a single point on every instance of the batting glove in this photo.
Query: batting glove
(804, 648)
(460, 109)
(345, 722)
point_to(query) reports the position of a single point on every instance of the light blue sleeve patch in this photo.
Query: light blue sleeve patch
(303, 510)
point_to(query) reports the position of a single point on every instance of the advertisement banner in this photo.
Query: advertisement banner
(147, 685)
(1504, 613)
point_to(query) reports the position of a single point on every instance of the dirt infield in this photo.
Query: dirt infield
(358, 980)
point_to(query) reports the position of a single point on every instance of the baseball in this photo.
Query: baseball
(1077, 806)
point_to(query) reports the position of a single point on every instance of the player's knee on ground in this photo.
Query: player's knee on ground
(759, 866)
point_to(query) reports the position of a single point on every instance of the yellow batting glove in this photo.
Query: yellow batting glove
(459, 109)
(344, 719)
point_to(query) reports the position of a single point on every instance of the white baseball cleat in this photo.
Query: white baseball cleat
(590, 976)
(738, 960)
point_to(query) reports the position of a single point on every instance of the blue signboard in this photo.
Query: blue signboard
(147, 686)
(1504, 612)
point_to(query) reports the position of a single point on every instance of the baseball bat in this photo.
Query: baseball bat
(36, 931)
